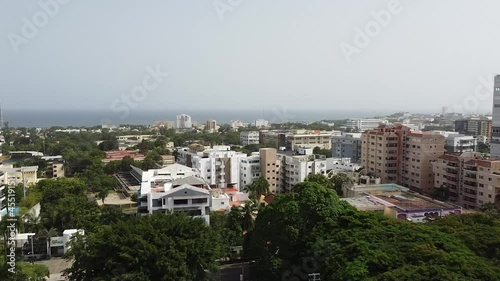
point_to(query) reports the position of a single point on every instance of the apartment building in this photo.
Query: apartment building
(311, 140)
(470, 179)
(362, 125)
(474, 126)
(55, 166)
(397, 155)
(183, 121)
(249, 169)
(218, 166)
(14, 176)
(249, 137)
(347, 145)
(460, 143)
(211, 125)
(270, 168)
(295, 168)
(261, 123)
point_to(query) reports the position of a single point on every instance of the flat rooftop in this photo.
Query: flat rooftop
(409, 201)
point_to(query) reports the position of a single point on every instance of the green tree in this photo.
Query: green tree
(339, 180)
(159, 247)
(258, 188)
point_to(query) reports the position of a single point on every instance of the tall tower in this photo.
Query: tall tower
(1, 117)
(495, 125)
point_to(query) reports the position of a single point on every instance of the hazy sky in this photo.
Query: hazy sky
(248, 54)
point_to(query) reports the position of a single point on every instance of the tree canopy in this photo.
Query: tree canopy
(161, 247)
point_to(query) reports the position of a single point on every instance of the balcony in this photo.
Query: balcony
(452, 165)
(469, 184)
(451, 171)
(470, 168)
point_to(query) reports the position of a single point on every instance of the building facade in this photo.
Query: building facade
(364, 124)
(311, 140)
(211, 125)
(479, 127)
(347, 145)
(495, 129)
(397, 155)
(270, 168)
(249, 137)
(469, 179)
(184, 121)
(295, 169)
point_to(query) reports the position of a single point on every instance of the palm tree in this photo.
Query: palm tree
(248, 221)
(47, 234)
(33, 223)
(258, 188)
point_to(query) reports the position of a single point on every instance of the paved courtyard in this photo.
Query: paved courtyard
(56, 266)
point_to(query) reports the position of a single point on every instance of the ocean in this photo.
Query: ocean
(80, 118)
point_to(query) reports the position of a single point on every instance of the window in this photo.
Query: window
(199, 201)
(180, 202)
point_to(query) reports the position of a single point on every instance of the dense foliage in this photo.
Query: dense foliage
(158, 248)
(313, 231)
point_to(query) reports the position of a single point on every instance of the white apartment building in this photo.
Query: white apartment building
(218, 166)
(455, 142)
(249, 137)
(261, 123)
(23, 175)
(495, 125)
(250, 169)
(341, 165)
(296, 168)
(184, 121)
(364, 124)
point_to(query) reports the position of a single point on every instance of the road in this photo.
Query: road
(231, 272)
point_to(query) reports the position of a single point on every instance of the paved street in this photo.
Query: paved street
(231, 272)
(56, 266)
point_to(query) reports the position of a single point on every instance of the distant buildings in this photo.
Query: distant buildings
(311, 139)
(184, 121)
(397, 155)
(364, 124)
(249, 137)
(348, 145)
(479, 127)
(469, 179)
(495, 134)
(261, 123)
(211, 125)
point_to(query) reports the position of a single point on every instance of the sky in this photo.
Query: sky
(240, 54)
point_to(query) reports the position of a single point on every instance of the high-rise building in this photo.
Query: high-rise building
(211, 125)
(397, 155)
(184, 121)
(495, 130)
(270, 168)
